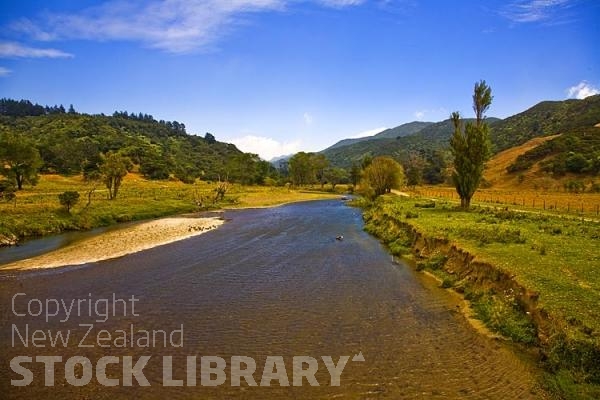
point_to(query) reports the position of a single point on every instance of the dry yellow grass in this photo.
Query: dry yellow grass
(587, 204)
(495, 172)
(36, 210)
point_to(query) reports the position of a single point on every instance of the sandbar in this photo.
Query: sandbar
(120, 242)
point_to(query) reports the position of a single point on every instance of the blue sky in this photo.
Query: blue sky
(279, 76)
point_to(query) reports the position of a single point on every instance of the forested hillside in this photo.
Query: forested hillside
(575, 151)
(544, 119)
(432, 138)
(71, 143)
(392, 133)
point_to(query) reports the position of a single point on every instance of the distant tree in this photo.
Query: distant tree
(209, 137)
(382, 175)
(265, 171)
(436, 166)
(114, 167)
(71, 110)
(335, 175)
(414, 166)
(242, 168)
(301, 169)
(154, 164)
(221, 190)
(19, 159)
(576, 162)
(470, 145)
(320, 164)
(68, 199)
(355, 173)
(366, 161)
(92, 179)
(7, 190)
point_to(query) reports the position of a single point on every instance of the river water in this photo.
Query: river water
(269, 282)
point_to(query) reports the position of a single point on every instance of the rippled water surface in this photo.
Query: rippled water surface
(272, 282)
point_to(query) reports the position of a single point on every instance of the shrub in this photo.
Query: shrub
(410, 215)
(428, 204)
(68, 199)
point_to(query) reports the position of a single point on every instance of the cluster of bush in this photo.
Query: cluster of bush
(576, 152)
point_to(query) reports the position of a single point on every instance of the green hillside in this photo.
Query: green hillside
(403, 130)
(544, 119)
(433, 137)
(575, 151)
(393, 133)
(70, 143)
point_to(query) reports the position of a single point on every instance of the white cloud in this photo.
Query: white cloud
(524, 11)
(266, 148)
(175, 26)
(369, 132)
(16, 50)
(419, 115)
(582, 90)
(4, 71)
(308, 118)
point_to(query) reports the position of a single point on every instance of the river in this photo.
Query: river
(270, 282)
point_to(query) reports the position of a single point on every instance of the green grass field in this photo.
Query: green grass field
(553, 255)
(37, 210)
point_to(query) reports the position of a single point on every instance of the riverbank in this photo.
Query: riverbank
(36, 211)
(530, 277)
(270, 281)
(118, 243)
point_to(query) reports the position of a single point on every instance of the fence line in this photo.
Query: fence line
(548, 202)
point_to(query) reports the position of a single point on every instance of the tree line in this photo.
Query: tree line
(107, 148)
(34, 141)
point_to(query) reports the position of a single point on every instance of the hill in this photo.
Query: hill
(496, 171)
(544, 119)
(576, 152)
(393, 133)
(431, 138)
(70, 143)
(574, 119)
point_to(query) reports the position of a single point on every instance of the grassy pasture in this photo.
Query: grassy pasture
(37, 211)
(554, 255)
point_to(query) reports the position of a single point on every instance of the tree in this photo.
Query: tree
(320, 164)
(335, 175)
(301, 169)
(414, 167)
(92, 179)
(68, 199)
(19, 159)
(382, 175)
(470, 145)
(355, 173)
(242, 168)
(7, 190)
(210, 138)
(114, 167)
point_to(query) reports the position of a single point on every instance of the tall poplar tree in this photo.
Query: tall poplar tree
(470, 145)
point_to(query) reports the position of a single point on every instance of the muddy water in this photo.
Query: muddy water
(270, 282)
